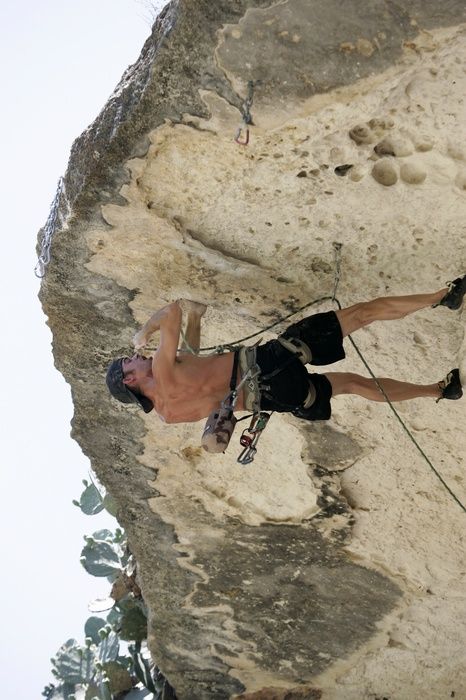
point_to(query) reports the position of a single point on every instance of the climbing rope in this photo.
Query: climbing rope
(219, 349)
(47, 235)
(337, 254)
(403, 424)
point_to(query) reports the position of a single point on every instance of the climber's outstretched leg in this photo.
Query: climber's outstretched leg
(389, 308)
(349, 383)
(385, 309)
(192, 336)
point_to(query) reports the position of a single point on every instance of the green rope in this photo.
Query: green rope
(400, 420)
(405, 428)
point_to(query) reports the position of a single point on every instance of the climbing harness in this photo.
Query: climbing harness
(247, 118)
(297, 347)
(49, 230)
(250, 436)
(222, 421)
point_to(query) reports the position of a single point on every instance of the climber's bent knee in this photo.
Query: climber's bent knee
(355, 317)
(344, 382)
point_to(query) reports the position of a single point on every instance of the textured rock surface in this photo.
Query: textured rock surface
(334, 566)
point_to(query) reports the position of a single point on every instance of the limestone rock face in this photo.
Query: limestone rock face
(333, 566)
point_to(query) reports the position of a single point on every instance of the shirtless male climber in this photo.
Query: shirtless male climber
(184, 387)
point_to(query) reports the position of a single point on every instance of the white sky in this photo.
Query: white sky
(60, 62)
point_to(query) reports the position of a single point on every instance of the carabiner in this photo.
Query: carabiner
(249, 442)
(238, 136)
(245, 440)
(247, 455)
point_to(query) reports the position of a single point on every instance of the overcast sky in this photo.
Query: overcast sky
(60, 62)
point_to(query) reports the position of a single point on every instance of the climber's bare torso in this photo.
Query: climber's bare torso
(193, 388)
(183, 387)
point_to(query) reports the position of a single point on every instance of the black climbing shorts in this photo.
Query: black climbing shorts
(286, 390)
(322, 334)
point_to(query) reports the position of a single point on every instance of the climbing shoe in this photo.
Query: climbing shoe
(451, 386)
(454, 297)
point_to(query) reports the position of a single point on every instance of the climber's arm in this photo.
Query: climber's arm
(170, 314)
(169, 324)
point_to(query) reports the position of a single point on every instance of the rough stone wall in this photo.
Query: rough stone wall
(333, 566)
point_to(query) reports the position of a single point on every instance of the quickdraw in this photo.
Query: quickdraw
(247, 118)
(250, 437)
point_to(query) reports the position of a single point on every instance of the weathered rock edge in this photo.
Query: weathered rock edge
(89, 315)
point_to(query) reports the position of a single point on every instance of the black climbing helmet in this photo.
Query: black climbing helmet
(120, 391)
